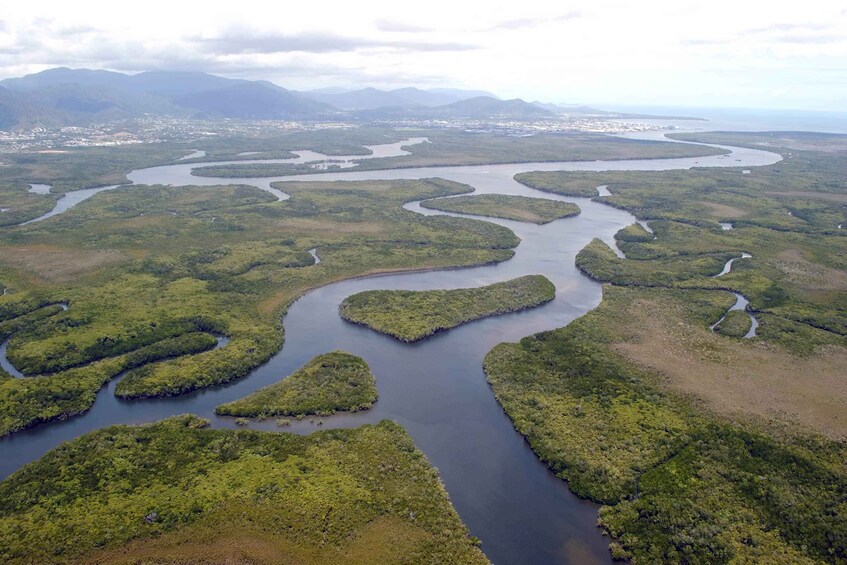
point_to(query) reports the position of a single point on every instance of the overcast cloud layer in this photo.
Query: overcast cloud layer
(682, 52)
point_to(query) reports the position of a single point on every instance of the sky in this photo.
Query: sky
(716, 53)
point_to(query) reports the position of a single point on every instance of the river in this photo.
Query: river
(435, 388)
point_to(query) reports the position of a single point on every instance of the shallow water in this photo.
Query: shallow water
(40, 188)
(741, 302)
(435, 388)
(728, 267)
(196, 154)
(181, 174)
(5, 364)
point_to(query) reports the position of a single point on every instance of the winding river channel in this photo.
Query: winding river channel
(435, 388)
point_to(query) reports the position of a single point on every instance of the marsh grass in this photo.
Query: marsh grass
(703, 448)
(639, 406)
(412, 315)
(326, 384)
(177, 492)
(519, 208)
(226, 260)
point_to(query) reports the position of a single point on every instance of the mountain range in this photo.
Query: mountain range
(63, 96)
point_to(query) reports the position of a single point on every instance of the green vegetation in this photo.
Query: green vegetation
(329, 382)
(703, 448)
(736, 323)
(140, 265)
(412, 315)
(37, 353)
(599, 423)
(633, 233)
(452, 147)
(599, 262)
(21, 205)
(175, 492)
(87, 167)
(605, 403)
(335, 142)
(29, 401)
(559, 183)
(73, 168)
(254, 170)
(36, 312)
(520, 208)
(753, 499)
(799, 267)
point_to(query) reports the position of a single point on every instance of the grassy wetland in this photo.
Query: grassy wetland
(326, 384)
(20, 205)
(174, 492)
(735, 324)
(453, 147)
(786, 215)
(74, 168)
(703, 447)
(88, 167)
(412, 315)
(641, 407)
(141, 265)
(518, 208)
(85, 167)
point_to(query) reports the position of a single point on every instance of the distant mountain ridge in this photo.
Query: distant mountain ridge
(63, 96)
(482, 106)
(255, 101)
(409, 97)
(476, 108)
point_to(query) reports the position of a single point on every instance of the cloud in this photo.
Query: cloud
(73, 31)
(137, 56)
(696, 41)
(788, 26)
(240, 67)
(804, 39)
(23, 45)
(521, 23)
(292, 75)
(235, 53)
(392, 26)
(794, 33)
(242, 42)
(785, 33)
(11, 50)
